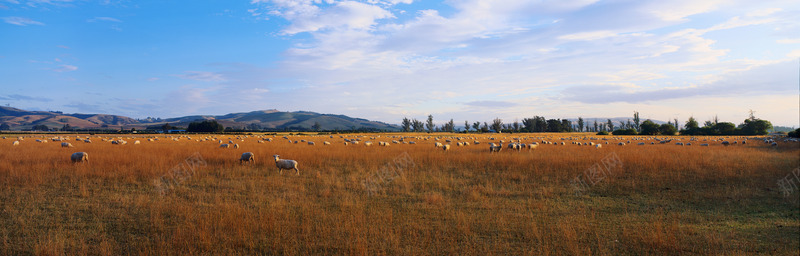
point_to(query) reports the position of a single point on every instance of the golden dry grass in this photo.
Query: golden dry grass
(665, 199)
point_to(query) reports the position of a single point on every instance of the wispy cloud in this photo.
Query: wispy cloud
(21, 21)
(491, 104)
(202, 76)
(17, 97)
(96, 19)
(65, 68)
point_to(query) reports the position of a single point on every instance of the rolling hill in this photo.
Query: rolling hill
(18, 119)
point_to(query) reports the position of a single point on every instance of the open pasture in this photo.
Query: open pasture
(187, 195)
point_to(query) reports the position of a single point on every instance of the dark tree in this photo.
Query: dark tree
(648, 128)
(418, 125)
(553, 125)
(476, 126)
(691, 127)
(610, 125)
(406, 124)
(566, 125)
(206, 126)
(667, 129)
(316, 126)
(497, 124)
(636, 121)
(466, 126)
(753, 126)
(580, 124)
(429, 124)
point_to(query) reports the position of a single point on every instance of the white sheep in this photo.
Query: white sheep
(446, 147)
(438, 144)
(726, 143)
(137, 142)
(247, 157)
(224, 145)
(311, 143)
(533, 146)
(495, 148)
(598, 146)
(78, 157)
(15, 143)
(235, 145)
(367, 143)
(704, 145)
(66, 145)
(286, 164)
(326, 143)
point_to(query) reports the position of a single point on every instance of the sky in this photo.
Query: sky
(383, 60)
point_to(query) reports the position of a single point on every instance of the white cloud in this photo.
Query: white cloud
(789, 41)
(21, 21)
(202, 76)
(95, 19)
(678, 10)
(65, 68)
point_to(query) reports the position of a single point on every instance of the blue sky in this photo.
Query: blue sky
(388, 59)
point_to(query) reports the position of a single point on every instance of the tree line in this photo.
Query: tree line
(635, 126)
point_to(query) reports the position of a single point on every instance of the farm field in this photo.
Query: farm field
(186, 195)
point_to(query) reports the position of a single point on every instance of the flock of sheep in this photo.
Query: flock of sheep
(443, 142)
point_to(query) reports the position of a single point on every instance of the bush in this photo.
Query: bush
(795, 133)
(205, 126)
(624, 132)
(667, 129)
(602, 133)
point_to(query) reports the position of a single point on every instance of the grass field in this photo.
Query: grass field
(408, 199)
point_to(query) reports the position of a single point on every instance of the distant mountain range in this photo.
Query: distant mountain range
(18, 119)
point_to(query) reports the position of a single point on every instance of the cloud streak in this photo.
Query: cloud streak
(21, 21)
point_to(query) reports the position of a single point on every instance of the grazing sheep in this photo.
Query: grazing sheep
(87, 141)
(15, 143)
(446, 147)
(78, 157)
(438, 144)
(235, 145)
(726, 143)
(640, 143)
(345, 143)
(247, 157)
(326, 143)
(66, 145)
(774, 144)
(224, 145)
(621, 143)
(137, 142)
(679, 143)
(598, 146)
(533, 146)
(311, 143)
(286, 164)
(495, 148)
(704, 145)
(368, 143)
